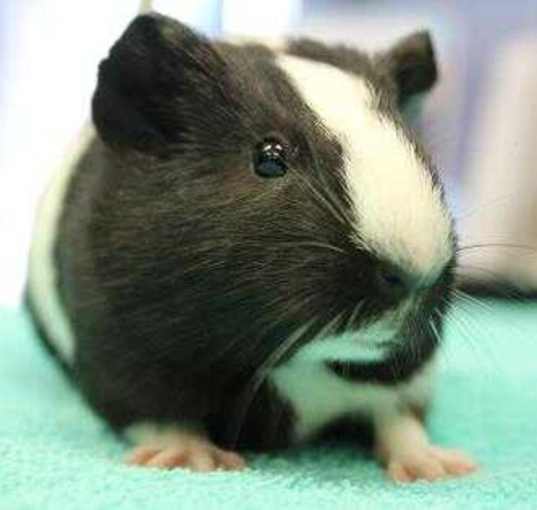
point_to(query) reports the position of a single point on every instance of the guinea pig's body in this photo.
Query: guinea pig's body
(249, 248)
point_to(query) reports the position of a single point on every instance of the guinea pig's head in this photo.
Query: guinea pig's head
(275, 198)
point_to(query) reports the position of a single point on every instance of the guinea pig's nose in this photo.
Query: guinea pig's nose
(391, 282)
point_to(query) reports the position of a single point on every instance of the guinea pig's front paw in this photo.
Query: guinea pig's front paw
(428, 463)
(403, 446)
(195, 455)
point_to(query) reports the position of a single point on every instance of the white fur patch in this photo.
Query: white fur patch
(319, 396)
(367, 344)
(346, 347)
(42, 278)
(401, 215)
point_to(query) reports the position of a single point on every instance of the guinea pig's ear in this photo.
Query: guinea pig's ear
(411, 64)
(147, 77)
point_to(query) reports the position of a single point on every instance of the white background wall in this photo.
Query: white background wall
(48, 61)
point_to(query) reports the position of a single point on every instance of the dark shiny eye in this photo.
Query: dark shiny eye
(269, 159)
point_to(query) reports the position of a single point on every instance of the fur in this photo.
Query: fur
(195, 290)
(320, 397)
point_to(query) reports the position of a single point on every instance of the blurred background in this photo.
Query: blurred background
(480, 122)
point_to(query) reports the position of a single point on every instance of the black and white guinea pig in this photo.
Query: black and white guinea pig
(250, 249)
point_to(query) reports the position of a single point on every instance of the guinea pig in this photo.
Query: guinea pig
(250, 248)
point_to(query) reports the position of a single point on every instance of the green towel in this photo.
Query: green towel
(55, 454)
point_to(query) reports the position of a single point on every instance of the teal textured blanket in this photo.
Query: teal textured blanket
(55, 454)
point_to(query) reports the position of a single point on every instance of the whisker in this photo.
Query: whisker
(322, 200)
(466, 323)
(416, 326)
(496, 283)
(472, 299)
(354, 314)
(335, 199)
(479, 208)
(263, 371)
(524, 247)
(463, 326)
(313, 244)
(442, 317)
(469, 319)
(266, 367)
(435, 331)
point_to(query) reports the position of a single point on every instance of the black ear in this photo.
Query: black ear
(411, 64)
(151, 73)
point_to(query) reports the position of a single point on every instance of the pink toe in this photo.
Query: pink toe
(168, 459)
(455, 462)
(141, 456)
(399, 474)
(231, 460)
(202, 461)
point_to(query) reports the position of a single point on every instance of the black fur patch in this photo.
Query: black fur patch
(151, 82)
(412, 65)
(182, 271)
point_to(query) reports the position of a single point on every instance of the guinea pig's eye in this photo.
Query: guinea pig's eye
(269, 158)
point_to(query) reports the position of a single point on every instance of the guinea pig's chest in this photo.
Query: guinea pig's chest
(319, 396)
